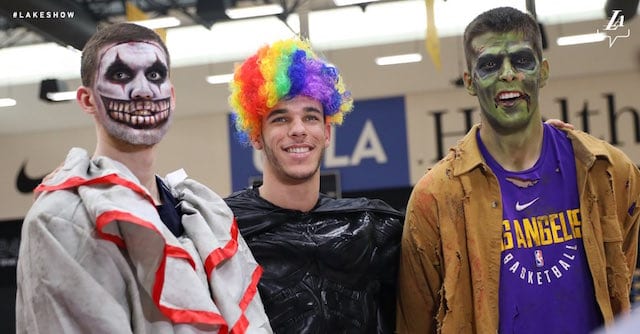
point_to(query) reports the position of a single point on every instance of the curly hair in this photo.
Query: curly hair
(283, 70)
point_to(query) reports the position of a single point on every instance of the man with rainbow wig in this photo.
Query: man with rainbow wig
(329, 264)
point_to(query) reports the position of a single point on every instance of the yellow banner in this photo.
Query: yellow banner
(135, 14)
(432, 40)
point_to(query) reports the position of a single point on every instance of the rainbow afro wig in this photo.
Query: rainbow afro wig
(283, 70)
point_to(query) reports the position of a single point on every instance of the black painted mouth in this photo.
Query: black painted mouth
(139, 114)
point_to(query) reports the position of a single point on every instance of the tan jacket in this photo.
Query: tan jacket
(450, 265)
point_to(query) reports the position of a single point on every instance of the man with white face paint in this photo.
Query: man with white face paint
(522, 227)
(136, 93)
(108, 246)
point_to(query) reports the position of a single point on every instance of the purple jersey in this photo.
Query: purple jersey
(545, 283)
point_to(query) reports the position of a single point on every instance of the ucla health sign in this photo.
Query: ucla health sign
(368, 151)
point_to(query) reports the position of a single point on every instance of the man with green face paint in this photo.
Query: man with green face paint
(522, 227)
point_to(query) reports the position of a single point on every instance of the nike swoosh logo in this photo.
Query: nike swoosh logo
(520, 207)
(25, 183)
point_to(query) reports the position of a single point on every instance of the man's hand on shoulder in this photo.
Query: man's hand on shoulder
(559, 124)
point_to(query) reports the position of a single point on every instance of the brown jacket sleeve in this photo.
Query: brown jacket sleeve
(420, 272)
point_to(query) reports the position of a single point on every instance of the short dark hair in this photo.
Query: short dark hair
(502, 20)
(113, 34)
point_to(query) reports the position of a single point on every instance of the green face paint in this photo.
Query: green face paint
(506, 78)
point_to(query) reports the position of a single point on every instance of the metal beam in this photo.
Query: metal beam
(628, 8)
(65, 22)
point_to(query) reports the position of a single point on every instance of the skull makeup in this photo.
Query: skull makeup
(135, 92)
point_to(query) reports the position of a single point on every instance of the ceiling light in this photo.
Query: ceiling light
(399, 59)
(341, 3)
(332, 29)
(159, 23)
(7, 102)
(62, 96)
(253, 11)
(220, 78)
(54, 90)
(581, 39)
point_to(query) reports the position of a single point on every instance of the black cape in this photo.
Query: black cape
(330, 270)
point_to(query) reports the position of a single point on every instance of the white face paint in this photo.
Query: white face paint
(135, 92)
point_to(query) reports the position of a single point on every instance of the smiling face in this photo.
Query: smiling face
(135, 98)
(506, 76)
(294, 137)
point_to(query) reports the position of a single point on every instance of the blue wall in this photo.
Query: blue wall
(370, 149)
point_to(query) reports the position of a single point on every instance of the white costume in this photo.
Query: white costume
(95, 257)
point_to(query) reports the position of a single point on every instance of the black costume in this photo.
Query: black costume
(330, 270)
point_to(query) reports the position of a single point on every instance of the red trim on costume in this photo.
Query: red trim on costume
(214, 258)
(221, 254)
(243, 323)
(158, 285)
(76, 181)
(180, 253)
(252, 289)
(109, 216)
(176, 315)
(194, 316)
